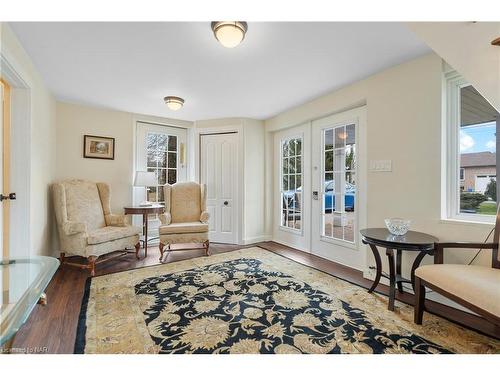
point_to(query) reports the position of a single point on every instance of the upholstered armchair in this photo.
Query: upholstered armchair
(474, 287)
(87, 228)
(185, 219)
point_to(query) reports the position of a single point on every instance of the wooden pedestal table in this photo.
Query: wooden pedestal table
(144, 211)
(419, 242)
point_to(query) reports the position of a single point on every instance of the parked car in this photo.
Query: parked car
(349, 198)
(290, 198)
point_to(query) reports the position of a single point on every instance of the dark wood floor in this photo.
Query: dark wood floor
(52, 328)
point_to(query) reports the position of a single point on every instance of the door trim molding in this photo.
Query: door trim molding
(239, 131)
(20, 178)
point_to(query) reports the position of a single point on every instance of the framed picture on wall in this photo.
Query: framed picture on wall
(96, 147)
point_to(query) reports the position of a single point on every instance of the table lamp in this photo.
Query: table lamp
(145, 179)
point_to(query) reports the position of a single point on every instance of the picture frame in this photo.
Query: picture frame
(97, 147)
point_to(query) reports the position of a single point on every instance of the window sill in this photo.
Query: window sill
(467, 221)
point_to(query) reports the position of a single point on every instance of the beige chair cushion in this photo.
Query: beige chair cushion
(191, 227)
(107, 234)
(83, 204)
(477, 285)
(185, 202)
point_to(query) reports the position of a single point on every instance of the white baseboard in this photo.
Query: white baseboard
(292, 245)
(251, 240)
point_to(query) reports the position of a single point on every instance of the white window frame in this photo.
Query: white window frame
(139, 193)
(281, 226)
(451, 153)
(323, 237)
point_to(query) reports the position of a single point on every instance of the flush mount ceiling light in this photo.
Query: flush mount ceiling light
(174, 102)
(229, 33)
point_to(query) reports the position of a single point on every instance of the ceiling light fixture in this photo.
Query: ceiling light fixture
(229, 33)
(174, 102)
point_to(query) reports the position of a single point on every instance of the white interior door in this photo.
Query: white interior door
(218, 171)
(338, 181)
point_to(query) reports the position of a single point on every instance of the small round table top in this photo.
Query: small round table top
(155, 208)
(410, 241)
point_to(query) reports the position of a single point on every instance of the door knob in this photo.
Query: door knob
(11, 196)
(226, 203)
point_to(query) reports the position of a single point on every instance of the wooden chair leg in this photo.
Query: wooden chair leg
(161, 245)
(137, 248)
(62, 258)
(419, 301)
(92, 259)
(207, 247)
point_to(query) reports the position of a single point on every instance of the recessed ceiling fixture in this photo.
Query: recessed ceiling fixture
(229, 33)
(174, 102)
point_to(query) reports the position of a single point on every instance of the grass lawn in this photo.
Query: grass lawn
(487, 208)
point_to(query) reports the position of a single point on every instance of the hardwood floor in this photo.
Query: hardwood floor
(52, 328)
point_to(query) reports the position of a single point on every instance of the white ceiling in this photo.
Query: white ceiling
(132, 66)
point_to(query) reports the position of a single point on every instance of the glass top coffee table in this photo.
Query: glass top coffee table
(22, 283)
(411, 241)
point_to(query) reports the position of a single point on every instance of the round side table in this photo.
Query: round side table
(144, 211)
(422, 243)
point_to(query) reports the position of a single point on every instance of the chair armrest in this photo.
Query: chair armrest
(204, 217)
(440, 246)
(73, 227)
(113, 220)
(465, 245)
(165, 218)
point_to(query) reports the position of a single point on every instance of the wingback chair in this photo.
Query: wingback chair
(474, 287)
(185, 219)
(87, 228)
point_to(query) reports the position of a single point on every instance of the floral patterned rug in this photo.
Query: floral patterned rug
(253, 301)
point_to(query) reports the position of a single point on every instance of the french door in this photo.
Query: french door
(219, 172)
(337, 199)
(160, 149)
(5, 167)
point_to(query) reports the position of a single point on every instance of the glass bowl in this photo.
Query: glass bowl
(397, 226)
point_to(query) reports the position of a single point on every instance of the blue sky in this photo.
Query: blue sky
(478, 138)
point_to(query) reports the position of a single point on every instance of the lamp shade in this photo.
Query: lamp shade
(143, 178)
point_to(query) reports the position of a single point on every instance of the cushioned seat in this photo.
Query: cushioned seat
(185, 219)
(189, 227)
(107, 234)
(87, 227)
(477, 285)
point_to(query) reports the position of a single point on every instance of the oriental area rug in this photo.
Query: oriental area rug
(254, 301)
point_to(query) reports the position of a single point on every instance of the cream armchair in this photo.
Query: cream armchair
(87, 228)
(474, 287)
(185, 219)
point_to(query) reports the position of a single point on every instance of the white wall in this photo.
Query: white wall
(74, 121)
(403, 125)
(42, 146)
(467, 47)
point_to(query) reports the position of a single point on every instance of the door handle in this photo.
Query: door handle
(226, 203)
(11, 196)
